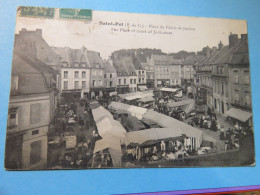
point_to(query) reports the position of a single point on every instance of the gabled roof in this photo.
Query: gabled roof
(191, 60)
(127, 61)
(108, 67)
(241, 55)
(228, 55)
(63, 52)
(137, 63)
(94, 59)
(30, 80)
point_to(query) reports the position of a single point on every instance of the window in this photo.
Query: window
(76, 74)
(93, 83)
(142, 72)
(35, 132)
(83, 74)
(35, 152)
(119, 81)
(110, 76)
(235, 76)
(139, 72)
(134, 81)
(76, 64)
(100, 72)
(76, 85)
(64, 64)
(65, 85)
(124, 81)
(222, 90)
(139, 80)
(84, 85)
(236, 96)
(83, 65)
(94, 72)
(100, 82)
(131, 81)
(111, 83)
(14, 82)
(246, 77)
(12, 120)
(222, 107)
(247, 99)
(65, 74)
(142, 80)
(105, 76)
(35, 113)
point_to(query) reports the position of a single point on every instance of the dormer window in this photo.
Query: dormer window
(83, 65)
(76, 65)
(64, 64)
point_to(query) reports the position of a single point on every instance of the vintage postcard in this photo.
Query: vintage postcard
(94, 89)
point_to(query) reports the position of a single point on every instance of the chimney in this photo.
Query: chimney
(243, 37)
(220, 45)
(39, 32)
(233, 40)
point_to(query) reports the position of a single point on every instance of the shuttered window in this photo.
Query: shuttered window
(35, 113)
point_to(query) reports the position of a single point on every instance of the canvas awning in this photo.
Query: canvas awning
(169, 122)
(94, 104)
(169, 89)
(238, 114)
(154, 134)
(142, 87)
(133, 110)
(134, 97)
(118, 106)
(173, 90)
(100, 112)
(113, 93)
(110, 127)
(114, 147)
(180, 103)
(147, 99)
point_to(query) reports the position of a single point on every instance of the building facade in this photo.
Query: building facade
(167, 70)
(31, 108)
(110, 76)
(126, 75)
(74, 73)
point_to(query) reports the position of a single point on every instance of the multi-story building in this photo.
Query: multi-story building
(74, 71)
(149, 72)
(31, 108)
(96, 73)
(167, 70)
(110, 76)
(239, 83)
(140, 72)
(126, 75)
(218, 77)
(188, 68)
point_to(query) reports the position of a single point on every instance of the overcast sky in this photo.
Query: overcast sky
(75, 34)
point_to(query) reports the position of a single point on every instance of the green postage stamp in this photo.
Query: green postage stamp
(52, 13)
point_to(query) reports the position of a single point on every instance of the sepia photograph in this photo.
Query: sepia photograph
(95, 89)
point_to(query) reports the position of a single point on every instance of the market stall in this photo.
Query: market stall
(176, 91)
(114, 147)
(110, 127)
(168, 122)
(133, 110)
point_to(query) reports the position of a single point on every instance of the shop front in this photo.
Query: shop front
(122, 89)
